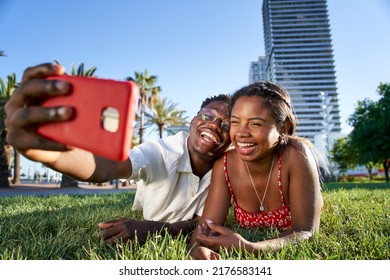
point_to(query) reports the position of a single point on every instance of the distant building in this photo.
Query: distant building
(171, 130)
(257, 70)
(299, 56)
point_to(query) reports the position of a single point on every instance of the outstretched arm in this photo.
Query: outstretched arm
(23, 115)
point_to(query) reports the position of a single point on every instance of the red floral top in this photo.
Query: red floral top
(279, 218)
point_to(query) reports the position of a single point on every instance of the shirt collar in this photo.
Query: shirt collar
(184, 164)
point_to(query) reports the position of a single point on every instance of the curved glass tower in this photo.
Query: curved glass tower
(299, 56)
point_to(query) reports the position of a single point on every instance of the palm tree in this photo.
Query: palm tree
(6, 151)
(148, 94)
(164, 114)
(79, 71)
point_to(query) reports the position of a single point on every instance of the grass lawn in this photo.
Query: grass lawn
(355, 225)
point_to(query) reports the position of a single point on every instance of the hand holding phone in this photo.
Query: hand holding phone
(104, 115)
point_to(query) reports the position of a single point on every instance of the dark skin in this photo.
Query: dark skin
(131, 229)
(23, 116)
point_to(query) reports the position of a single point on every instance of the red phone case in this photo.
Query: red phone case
(89, 98)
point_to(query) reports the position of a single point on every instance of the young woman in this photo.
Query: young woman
(271, 176)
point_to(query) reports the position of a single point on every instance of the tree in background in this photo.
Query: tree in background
(370, 134)
(344, 155)
(148, 92)
(7, 153)
(164, 114)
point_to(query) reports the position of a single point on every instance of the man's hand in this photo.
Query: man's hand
(23, 114)
(125, 230)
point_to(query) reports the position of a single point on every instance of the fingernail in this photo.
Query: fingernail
(57, 68)
(209, 221)
(61, 86)
(60, 113)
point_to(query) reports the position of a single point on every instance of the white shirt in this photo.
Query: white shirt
(167, 190)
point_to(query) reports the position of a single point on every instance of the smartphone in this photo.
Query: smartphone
(104, 116)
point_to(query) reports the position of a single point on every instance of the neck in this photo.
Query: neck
(262, 165)
(200, 166)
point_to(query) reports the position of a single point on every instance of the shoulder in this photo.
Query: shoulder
(175, 144)
(177, 140)
(300, 152)
(227, 156)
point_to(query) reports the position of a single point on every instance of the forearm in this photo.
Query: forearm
(183, 227)
(77, 164)
(279, 242)
(84, 166)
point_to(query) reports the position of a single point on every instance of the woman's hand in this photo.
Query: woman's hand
(215, 236)
(204, 253)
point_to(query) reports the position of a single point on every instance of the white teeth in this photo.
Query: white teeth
(210, 136)
(244, 145)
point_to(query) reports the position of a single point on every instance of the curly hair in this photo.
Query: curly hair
(221, 97)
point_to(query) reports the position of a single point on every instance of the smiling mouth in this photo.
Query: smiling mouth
(245, 146)
(209, 137)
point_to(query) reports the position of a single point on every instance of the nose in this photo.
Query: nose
(240, 130)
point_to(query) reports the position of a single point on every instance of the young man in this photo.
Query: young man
(175, 172)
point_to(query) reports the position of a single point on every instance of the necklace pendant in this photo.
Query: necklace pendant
(261, 208)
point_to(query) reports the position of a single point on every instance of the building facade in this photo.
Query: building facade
(299, 56)
(257, 70)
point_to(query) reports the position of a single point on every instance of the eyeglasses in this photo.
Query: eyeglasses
(211, 115)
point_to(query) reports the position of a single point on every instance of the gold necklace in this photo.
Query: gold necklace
(266, 187)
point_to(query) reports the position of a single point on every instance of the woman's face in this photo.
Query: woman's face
(252, 130)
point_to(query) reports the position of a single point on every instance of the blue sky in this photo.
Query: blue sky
(196, 48)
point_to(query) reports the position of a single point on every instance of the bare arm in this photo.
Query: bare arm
(304, 196)
(216, 209)
(23, 116)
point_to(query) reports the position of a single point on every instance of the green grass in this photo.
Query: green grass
(355, 225)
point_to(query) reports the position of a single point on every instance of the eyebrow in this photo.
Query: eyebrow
(251, 119)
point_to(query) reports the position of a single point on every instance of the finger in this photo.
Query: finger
(32, 115)
(111, 223)
(32, 92)
(42, 71)
(109, 233)
(214, 256)
(111, 241)
(209, 241)
(105, 225)
(119, 238)
(217, 228)
(206, 239)
(26, 140)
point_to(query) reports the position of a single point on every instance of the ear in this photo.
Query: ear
(283, 130)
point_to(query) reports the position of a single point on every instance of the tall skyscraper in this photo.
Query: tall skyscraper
(299, 56)
(257, 70)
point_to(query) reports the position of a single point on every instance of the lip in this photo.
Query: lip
(210, 137)
(245, 148)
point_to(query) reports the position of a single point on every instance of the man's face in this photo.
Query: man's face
(209, 131)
